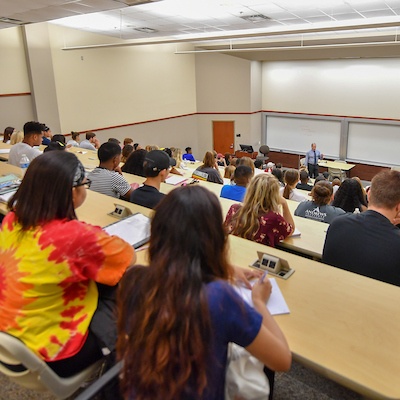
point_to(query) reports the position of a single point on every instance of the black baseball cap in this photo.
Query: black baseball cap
(157, 160)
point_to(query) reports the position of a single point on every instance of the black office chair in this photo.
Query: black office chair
(264, 150)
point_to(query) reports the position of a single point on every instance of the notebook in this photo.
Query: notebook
(134, 229)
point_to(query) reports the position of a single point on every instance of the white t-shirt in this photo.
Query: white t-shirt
(18, 149)
(294, 195)
(73, 143)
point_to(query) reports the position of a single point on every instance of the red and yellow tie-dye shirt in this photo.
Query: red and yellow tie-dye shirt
(48, 293)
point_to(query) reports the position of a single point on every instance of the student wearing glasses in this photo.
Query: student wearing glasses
(56, 270)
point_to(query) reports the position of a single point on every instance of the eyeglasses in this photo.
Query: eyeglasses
(87, 184)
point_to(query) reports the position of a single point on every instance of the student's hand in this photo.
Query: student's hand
(244, 275)
(261, 291)
(282, 201)
(96, 142)
(118, 169)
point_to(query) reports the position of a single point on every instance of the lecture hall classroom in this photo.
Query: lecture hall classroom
(295, 83)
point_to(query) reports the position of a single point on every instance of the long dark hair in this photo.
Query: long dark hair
(164, 322)
(134, 163)
(349, 196)
(45, 193)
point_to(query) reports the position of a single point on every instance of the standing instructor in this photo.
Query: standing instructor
(312, 157)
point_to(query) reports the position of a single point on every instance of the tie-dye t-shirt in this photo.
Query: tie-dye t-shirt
(48, 293)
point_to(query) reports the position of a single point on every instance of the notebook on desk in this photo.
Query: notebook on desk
(134, 229)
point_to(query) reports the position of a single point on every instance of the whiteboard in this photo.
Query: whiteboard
(295, 134)
(374, 143)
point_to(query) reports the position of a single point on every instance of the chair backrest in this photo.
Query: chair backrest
(25, 368)
(302, 161)
(264, 149)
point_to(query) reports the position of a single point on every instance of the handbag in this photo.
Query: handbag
(245, 378)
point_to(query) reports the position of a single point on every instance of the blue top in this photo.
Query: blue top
(232, 320)
(189, 157)
(311, 159)
(233, 192)
(45, 141)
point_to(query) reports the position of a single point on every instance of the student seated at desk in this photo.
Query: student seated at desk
(156, 167)
(319, 209)
(304, 179)
(178, 315)
(107, 177)
(350, 196)
(209, 170)
(188, 156)
(51, 266)
(75, 139)
(369, 243)
(258, 218)
(91, 142)
(134, 163)
(32, 138)
(241, 179)
(291, 178)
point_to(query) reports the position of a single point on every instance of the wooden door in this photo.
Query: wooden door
(224, 136)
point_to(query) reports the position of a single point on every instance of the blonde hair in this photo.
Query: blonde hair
(151, 147)
(16, 137)
(229, 171)
(247, 161)
(291, 177)
(177, 156)
(262, 196)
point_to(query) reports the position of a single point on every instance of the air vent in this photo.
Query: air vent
(146, 30)
(12, 21)
(255, 18)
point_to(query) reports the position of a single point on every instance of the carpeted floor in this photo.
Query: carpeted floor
(298, 384)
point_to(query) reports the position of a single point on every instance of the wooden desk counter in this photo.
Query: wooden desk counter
(5, 147)
(342, 325)
(96, 207)
(311, 241)
(336, 164)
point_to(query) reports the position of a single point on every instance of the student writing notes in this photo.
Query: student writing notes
(178, 315)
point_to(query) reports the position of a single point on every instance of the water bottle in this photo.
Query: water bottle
(24, 164)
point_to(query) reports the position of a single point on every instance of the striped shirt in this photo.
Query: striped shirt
(108, 182)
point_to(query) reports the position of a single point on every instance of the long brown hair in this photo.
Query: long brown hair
(208, 160)
(164, 322)
(291, 177)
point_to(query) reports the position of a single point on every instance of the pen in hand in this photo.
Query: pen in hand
(263, 276)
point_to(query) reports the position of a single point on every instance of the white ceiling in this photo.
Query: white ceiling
(194, 20)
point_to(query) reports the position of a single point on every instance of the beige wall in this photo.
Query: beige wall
(355, 87)
(105, 87)
(14, 110)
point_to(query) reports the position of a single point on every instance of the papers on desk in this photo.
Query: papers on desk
(296, 233)
(134, 229)
(8, 186)
(175, 179)
(276, 303)
(6, 196)
(4, 151)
